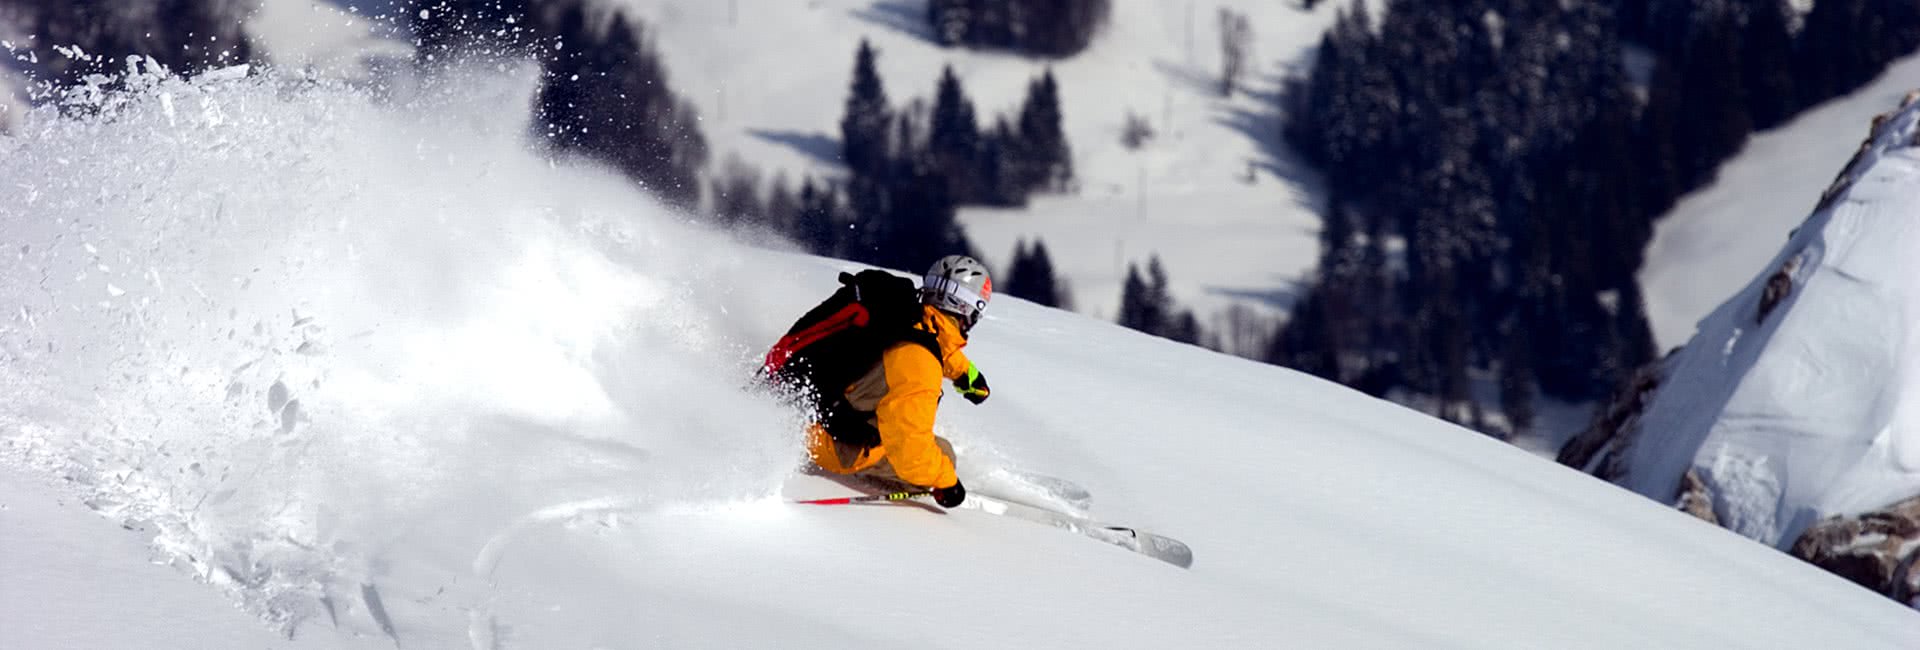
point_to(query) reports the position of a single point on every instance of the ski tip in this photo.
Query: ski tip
(1159, 547)
(1168, 550)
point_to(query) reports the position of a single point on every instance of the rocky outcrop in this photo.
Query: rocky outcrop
(1696, 498)
(1779, 286)
(1596, 450)
(1877, 550)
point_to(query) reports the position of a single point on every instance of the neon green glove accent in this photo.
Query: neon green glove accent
(973, 386)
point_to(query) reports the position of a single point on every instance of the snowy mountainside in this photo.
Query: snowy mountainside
(1233, 219)
(1792, 402)
(1705, 248)
(370, 369)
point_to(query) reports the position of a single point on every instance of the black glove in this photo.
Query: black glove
(950, 497)
(972, 385)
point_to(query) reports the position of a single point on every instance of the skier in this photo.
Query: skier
(874, 359)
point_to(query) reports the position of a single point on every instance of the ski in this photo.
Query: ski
(1156, 546)
(1153, 545)
(844, 501)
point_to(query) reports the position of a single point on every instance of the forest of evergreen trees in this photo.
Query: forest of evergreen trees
(909, 168)
(604, 93)
(1049, 28)
(1146, 305)
(1494, 176)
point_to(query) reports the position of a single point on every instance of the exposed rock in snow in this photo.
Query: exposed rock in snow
(1696, 498)
(1878, 550)
(1596, 449)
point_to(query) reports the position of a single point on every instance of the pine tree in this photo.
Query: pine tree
(864, 128)
(1184, 328)
(1767, 64)
(1159, 297)
(1030, 276)
(817, 226)
(866, 136)
(607, 96)
(1516, 380)
(1147, 305)
(921, 226)
(1010, 283)
(1047, 289)
(1308, 342)
(736, 195)
(1136, 305)
(442, 28)
(782, 209)
(1047, 159)
(660, 146)
(1715, 122)
(1659, 166)
(564, 101)
(954, 139)
(201, 34)
(1060, 28)
(1001, 170)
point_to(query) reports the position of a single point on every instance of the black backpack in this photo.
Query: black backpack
(838, 341)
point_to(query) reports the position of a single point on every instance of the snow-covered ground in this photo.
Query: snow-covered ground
(1718, 237)
(378, 375)
(1232, 217)
(74, 580)
(1805, 412)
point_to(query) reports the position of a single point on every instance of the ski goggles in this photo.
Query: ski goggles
(954, 298)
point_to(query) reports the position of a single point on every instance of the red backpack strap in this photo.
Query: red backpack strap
(853, 315)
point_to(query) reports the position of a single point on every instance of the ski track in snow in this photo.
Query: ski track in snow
(482, 624)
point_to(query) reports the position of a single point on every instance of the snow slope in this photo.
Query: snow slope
(374, 372)
(1233, 218)
(1806, 412)
(1704, 249)
(73, 580)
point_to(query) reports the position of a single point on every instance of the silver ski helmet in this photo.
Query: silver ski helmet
(958, 285)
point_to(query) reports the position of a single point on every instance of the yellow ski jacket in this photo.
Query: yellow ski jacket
(902, 392)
